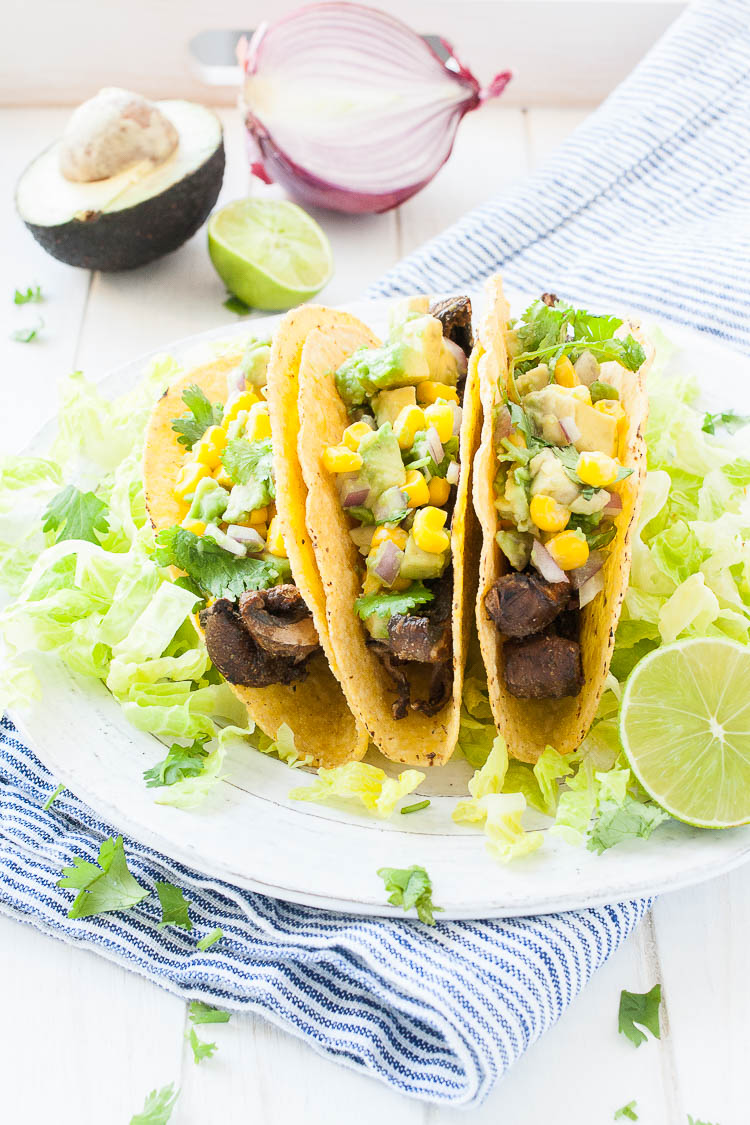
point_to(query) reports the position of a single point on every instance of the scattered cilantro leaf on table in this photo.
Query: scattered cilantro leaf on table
(158, 1107)
(26, 335)
(76, 515)
(642, 1009)
(174, 907)
(31, 293)
(729, 420)
(210, 939)
(247, 461)
(205, 1013)
(180, 762)
(53, 797)
(386, 604)
(626, 1111)
(211, 567)
(203, 414)
(110, 886)
(627, 821)
(201, 1050)
(697, 1121)
(410, 887)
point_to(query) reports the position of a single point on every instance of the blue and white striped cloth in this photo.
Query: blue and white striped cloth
(647, 204)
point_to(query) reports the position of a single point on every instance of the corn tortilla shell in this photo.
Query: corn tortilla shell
(528, 725)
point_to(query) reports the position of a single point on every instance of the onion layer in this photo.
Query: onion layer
(350, 109)
(545, 564)
(614, 505)
(389, 563)
(592, 566)
(570, 428)
(590, 589)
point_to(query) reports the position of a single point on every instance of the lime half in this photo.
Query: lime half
(685, 727)
(269, 252)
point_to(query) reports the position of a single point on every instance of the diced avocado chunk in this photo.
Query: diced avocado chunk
(600, 390)
(597, 431)
(246, 498)
(533, 380)
(422, 564)
(516, 546)
(377, 626)
(382, 467)
(391, 506)
(512, 501)
(548, 477)
(255, 362)
(209, 501)
(424, 335)
(388, 404)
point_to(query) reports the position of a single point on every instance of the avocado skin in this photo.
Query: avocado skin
(123, 240)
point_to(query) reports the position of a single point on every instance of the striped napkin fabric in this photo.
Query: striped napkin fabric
(646, 205)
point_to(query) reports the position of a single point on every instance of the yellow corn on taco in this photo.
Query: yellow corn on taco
(557, 487)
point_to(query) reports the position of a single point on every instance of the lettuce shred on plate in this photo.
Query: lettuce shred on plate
(100, 601)
(109, 611)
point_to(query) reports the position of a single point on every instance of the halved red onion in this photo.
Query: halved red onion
(502, 425)
(434, 445)
(590, 589)
(614, 505)
(252, 539)
(545, 564)
(453, 472)
(350, 109)
(459, 353)
(570, 429)
(581, 574)
(389, 563)
(458, 415)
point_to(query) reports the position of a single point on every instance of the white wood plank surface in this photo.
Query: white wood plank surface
(83, 1041)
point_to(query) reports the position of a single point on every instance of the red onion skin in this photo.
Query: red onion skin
(356, 497)
(570, 429)
(592, 566)
(614, 505)
(502, 424)
(545, 564)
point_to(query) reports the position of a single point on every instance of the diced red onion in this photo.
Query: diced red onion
(614, 505)
(592, 566)
(228, 543)
(452, 473)
(590, 589)
(350, 109)
(502, 423)
(457, 418)
(355, 497)
(545, 564)
(235, 382)
(459, 353)
(252, 539)
(434, 445)
(570, 429)
(389, 563)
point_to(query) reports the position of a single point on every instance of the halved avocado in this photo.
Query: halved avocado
(138, 214)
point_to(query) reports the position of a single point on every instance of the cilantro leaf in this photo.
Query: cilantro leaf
(410, 886)
(210, 939)
(53, 797)
(32, 293)
(191, 427)
(180, 762)
(110, 886)
(26, 335)
(158, 1107)
(695, 1121)
(251, 461)
(627, 821)
(640, 1008)
(235, 305)
(205, 1013)
(201, 1050)
(727, 419)
(547, 332)
(174, 907)
(626, 1111)
(76, 515)
(387, 603)
(213, 569)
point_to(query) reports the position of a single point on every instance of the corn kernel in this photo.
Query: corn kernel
(614, 409)
(197, 527)
(222, 477)
(416, 489)
(582, 393)
(258, 425)
(565, 373)
(261, 528)
(409, 422)
(396, 535)
(339, 459)
(353, 434)
(596, 469)
(242, 402)
(440, 490)
(515, 437)
(428, 530)
(275, 540)
(210, 447)
(569, 550)
(188, 478)
(260, 515)
(547, 514)
(430, 391)
(440, 416)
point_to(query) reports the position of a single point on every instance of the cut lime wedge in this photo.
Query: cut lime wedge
(269, 252)
(685, 728)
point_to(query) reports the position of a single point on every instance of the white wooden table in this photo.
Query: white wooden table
(82, 1041)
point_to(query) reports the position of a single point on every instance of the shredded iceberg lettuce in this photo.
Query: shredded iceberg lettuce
(498, 812)
(361, 782)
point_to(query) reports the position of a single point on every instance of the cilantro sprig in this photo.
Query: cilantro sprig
(626, 1111)
(200, 1012)
(108, 886)
(201, 1049)
(247, 461)
(174, 907)
(728, 420)
(641, 1009)
(214, 570)
(550, 331)
(33, 293)
(26, 335)
(210, 939)
(410, 887)
(180, 762)
(76, 515)
(202, 414)
(386, 604)
(158, 1107)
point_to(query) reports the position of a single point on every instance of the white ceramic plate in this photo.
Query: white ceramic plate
(249, 833)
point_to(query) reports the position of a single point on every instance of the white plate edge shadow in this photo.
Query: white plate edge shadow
(687, 856)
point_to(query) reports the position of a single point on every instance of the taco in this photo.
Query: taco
(386, 438)
(210, 475)
(557, 488)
